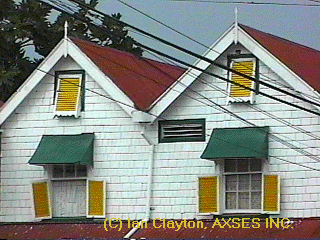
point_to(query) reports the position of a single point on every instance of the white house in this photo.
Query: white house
(99, 133)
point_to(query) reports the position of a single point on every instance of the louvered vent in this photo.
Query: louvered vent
(182, 131)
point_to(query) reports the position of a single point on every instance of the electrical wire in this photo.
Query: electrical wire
(211, 49)
(209, 61)
(250, 123)
(230, 112)
(223, 109)
(249, 3)
(248, 105)
(219, 108)
(122, 103)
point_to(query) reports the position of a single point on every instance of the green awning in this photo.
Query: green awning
(64, 149)
(249, 142)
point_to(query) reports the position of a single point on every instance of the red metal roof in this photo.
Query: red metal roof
(61, 231)
(295, 229)
(302, 60)
(141, 79)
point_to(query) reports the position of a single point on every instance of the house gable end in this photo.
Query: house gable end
(222, 45)
(65, 48)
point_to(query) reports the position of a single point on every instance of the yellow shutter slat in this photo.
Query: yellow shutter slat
(208, 194)
(271, 194)
(96, 198)
(247, 68)
(41, 200)
(68, 94)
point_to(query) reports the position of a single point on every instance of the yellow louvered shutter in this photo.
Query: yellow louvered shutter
(247, 68)
(68, 95)
(271, 194)
(208, 194)
(96, 198)
(41, 200)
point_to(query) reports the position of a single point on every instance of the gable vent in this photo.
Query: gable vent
(182, 130)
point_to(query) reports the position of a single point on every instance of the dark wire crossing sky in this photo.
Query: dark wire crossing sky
(205, 21)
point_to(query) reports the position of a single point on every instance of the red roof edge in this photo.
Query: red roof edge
(250, 30)
(302, 60)
(143, 80)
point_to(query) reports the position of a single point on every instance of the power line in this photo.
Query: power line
(209, 61)
(306, 153)
(254, 107)
(226, 80)
(301, 151)
(249, 3)
(225, 110)
(316, 1)
(210, 48)
(122, 103)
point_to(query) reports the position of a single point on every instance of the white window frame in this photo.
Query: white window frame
(250, 99)
(224, 209)
(52, 178)
(75, 113)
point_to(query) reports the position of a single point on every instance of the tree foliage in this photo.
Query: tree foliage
(28, 23)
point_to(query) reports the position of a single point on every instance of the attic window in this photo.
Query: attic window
(190, 130)
(248, 65)
(69, 94)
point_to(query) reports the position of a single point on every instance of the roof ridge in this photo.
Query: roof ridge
(280, 38)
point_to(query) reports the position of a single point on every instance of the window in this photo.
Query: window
(53, 199)
(69, 93)
(62, 171)
(190, 130)
(244, 189)
(243, 180)
(248, 65)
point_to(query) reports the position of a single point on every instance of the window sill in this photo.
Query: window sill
(242, 211)
(64, 179)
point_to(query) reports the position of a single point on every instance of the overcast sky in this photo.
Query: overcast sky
(206, 21)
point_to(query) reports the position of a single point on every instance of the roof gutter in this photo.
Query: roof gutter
(149, 186)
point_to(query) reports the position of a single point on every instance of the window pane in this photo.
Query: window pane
(70, 171)
(81, 170)
(256, 181)
(57, 171)
(243, 200)
(243, 166)
(231, 200)
(230, 166)
(255, 165)
(231, 183)
(256, 200)
(244, 181)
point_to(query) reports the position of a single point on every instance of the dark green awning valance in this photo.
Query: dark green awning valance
(249, 142)
(64, 149)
